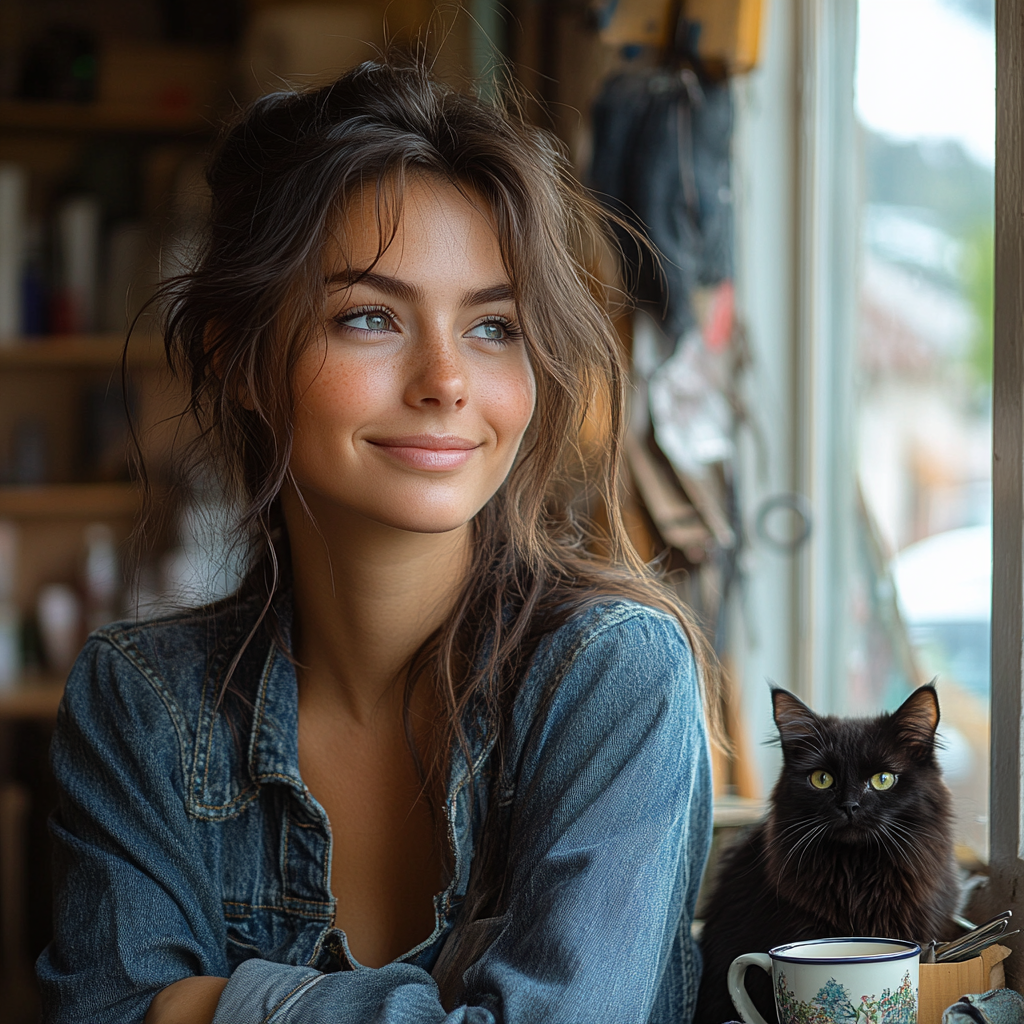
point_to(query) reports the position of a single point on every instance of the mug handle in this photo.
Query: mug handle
(737, 990)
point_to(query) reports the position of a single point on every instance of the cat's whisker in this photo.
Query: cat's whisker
(918, 835)
(914, 838)
(804, 841)
(779, 838)
(907, 847)
(802, 822)
(891, 848)
(817, 839)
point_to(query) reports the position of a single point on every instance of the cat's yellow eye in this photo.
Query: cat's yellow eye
(821, 780)
(883, 781)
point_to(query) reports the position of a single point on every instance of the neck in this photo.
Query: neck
(366, 597)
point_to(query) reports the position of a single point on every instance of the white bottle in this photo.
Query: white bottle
(59, 610)
(102, 576)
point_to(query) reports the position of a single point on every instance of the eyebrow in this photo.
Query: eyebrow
(413, 293)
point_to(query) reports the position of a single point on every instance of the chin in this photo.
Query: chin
(422, 521)
(852, 835)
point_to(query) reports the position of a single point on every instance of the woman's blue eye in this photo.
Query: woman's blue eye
(490, 330)
(367, 321)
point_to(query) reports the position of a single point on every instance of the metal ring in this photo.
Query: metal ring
(788, 501)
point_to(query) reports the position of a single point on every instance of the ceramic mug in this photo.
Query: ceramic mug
(834, 981)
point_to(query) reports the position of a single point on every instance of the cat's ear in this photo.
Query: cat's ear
(793, 718)
(917, 718)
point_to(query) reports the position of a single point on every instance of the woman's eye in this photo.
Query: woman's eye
(373, 321)
(883, 781)
(821, 780)
(490, 330)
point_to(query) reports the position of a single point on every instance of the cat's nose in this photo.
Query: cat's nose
(850, 808)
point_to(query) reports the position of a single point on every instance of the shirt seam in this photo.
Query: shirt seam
(134, 657)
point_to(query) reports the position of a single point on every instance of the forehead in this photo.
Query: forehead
(862, 747)
(429, 228)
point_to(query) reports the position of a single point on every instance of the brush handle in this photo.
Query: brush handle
(738, 991)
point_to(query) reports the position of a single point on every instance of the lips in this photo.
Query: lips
(428, 451)
(431, 442)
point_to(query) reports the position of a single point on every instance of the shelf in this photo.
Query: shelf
(35, 698)
(70, 501)
(45, 116)
(80, 351)
(737, 811)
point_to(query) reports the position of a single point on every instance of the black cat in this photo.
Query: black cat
(856, 842)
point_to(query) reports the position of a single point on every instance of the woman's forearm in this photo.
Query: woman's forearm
(189, 1001)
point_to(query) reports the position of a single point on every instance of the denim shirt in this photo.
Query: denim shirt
(186, 848)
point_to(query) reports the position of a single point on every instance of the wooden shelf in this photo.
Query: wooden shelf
(45, 116)
(80, 351)
(36, 698)
(70, 501)
(737, 811)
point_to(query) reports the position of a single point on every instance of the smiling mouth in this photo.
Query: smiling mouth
(428, 451)
(431, 442)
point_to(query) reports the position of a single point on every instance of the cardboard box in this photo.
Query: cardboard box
(725, 34)
(941, 985)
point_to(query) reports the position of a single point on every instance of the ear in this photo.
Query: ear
(917, 718)
(793, 718)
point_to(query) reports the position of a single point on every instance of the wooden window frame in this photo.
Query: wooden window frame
(1006, 838)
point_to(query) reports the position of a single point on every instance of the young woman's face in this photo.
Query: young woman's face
(411, 407)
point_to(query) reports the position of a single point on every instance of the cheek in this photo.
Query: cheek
(510, 400)
(337, 393)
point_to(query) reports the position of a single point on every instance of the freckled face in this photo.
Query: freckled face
(411, 406)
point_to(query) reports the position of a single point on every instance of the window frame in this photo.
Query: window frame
(1005, 808)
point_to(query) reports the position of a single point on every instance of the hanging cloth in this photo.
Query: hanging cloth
(661, 162)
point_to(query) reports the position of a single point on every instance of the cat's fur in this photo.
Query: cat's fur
(816, 869)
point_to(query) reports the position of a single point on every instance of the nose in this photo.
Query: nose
(437, 375)
(850, 808)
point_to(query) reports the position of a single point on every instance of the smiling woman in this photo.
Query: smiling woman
(437, 760)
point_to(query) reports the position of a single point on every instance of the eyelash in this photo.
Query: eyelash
(351, 314)
(512, 329)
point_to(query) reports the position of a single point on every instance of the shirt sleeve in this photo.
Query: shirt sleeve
(609, 832)
(134, 910)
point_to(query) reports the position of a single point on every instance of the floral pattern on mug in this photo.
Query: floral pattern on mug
(833, 1005)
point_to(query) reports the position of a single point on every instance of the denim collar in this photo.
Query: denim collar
(231, 762)
(228, 765)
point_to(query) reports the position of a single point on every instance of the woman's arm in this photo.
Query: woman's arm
(189, 1001)
(138, 897)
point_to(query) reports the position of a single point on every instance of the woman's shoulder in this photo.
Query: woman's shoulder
(618, 650)
(622, 627)
(617, 673)
(166, 661)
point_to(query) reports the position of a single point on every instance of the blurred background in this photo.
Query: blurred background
(810, 431)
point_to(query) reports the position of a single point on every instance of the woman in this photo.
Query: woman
(436, 761)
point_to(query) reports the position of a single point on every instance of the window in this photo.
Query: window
(864, 277)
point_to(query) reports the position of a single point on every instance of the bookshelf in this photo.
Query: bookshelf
(107, 118)
(69, 502)
(81, 351)
(63, 474)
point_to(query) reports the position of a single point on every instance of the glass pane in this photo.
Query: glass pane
(925, 97)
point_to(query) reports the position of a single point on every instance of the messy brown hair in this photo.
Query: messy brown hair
(237, 322)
